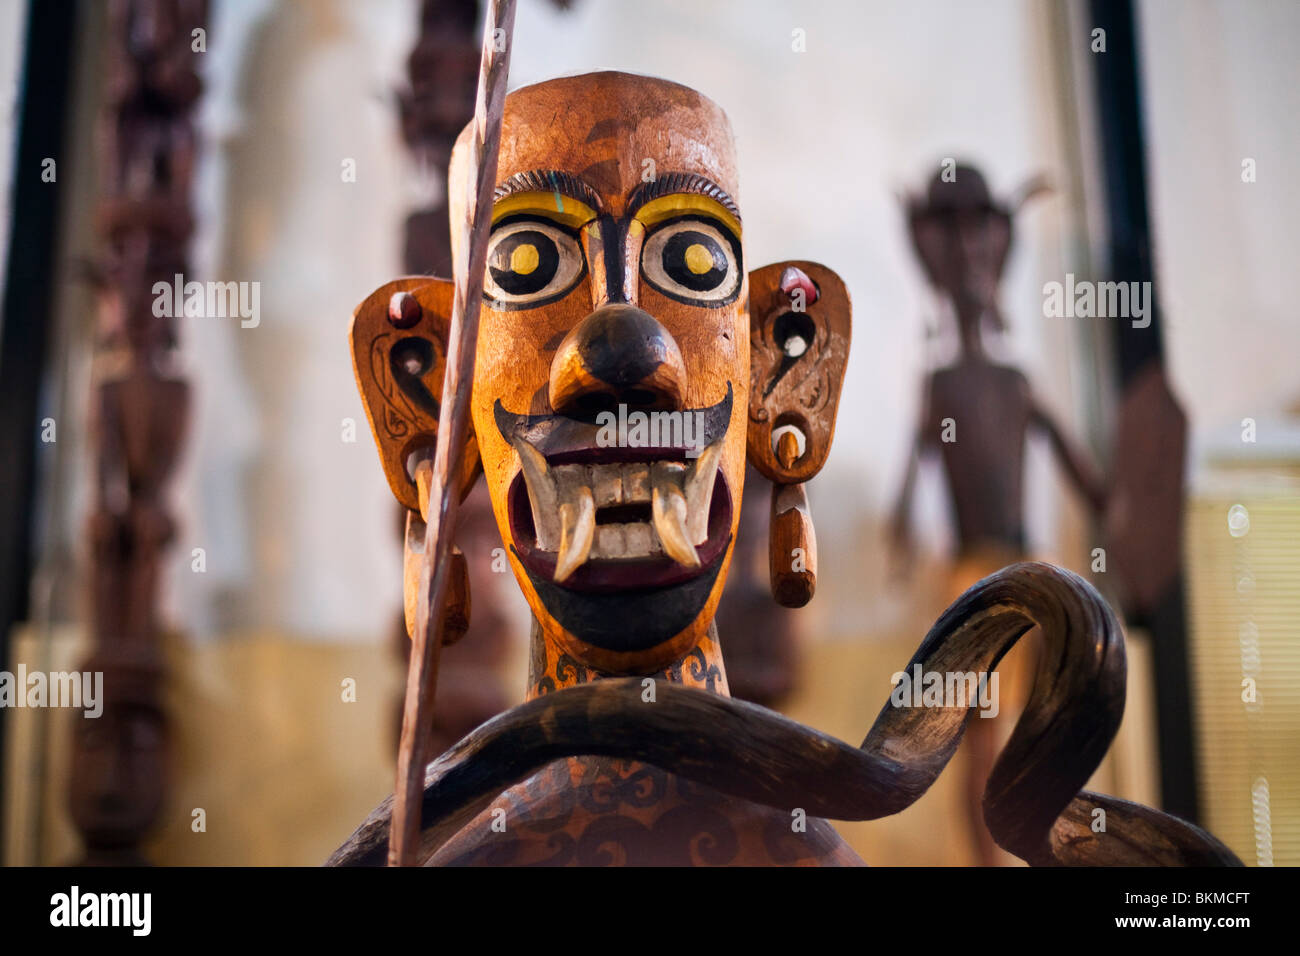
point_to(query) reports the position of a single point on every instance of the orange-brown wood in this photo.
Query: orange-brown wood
(802, 389)
(792, 555)
(588, 136)
(399, 368)
(456, 611)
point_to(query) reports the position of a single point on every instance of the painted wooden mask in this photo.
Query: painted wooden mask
(613, 402)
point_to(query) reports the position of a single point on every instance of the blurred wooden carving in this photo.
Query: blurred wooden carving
(1144, 517)
(120, 759)
(759, 641)
(139, 413)
(977, 415)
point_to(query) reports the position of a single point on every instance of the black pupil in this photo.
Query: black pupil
(683, 260)
(524, 262)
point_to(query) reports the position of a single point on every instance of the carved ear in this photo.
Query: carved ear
(399, 354)
(798, 346)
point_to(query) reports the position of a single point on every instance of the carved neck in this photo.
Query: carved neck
(552, 668)
(969, 319)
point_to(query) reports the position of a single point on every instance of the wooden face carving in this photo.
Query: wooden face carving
(615, 291)
(612, 379)
(119, 759)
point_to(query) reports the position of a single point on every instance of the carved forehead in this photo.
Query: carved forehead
(602, 127)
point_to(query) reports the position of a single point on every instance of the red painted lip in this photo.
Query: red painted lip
(604, 575)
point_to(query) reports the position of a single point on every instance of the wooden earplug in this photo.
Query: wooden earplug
(455, 618)
(792, 543)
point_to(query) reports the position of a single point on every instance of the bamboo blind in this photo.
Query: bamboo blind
(1243, 558)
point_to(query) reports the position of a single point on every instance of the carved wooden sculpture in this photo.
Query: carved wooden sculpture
(976, 415)
(615, 289)
(119, 767)
(962, 237)
(139, 413)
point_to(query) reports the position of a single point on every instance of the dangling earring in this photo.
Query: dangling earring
(455, 613)
(456, 609)
(791, 540)
(799, 346)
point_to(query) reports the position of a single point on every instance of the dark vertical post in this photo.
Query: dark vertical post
(1156, 594)
(46, 85)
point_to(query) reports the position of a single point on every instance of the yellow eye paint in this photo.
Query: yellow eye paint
(683, 204)
(698, 259)
(552, 205)
(523, 259)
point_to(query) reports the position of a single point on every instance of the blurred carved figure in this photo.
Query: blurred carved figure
(139, 426)
(976, 415)
(140, 409)
(758, 637)
(119, 760)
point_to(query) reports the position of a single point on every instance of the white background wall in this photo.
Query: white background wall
(1222, 83)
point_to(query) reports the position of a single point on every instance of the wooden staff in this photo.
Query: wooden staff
(444, 492)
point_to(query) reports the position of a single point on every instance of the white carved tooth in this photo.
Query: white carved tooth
(611, 541)
(606, 485)
(668, 509)
(699, 492)
(542, 495)
(636, 483)
(641, 540)
(577, 519)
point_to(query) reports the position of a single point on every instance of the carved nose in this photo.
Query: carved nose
(617, 354)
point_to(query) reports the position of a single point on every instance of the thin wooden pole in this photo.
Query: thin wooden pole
(444, 492)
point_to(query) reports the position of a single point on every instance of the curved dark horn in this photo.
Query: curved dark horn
(1033, 805)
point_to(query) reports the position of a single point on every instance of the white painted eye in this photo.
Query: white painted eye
(693, 260)
(530, 262)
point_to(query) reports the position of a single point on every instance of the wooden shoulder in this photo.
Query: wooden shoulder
(604, 812)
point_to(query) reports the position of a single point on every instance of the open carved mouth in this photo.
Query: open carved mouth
(593, 518)
(622, 544)
(608, 519)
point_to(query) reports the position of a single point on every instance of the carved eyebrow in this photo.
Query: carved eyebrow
(549, 181)
(694, 183)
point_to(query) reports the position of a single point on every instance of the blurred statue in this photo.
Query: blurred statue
(470, 685)
(119, 760)
(976, 415)
(757, 636)
(139, 412)
(139, 426)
